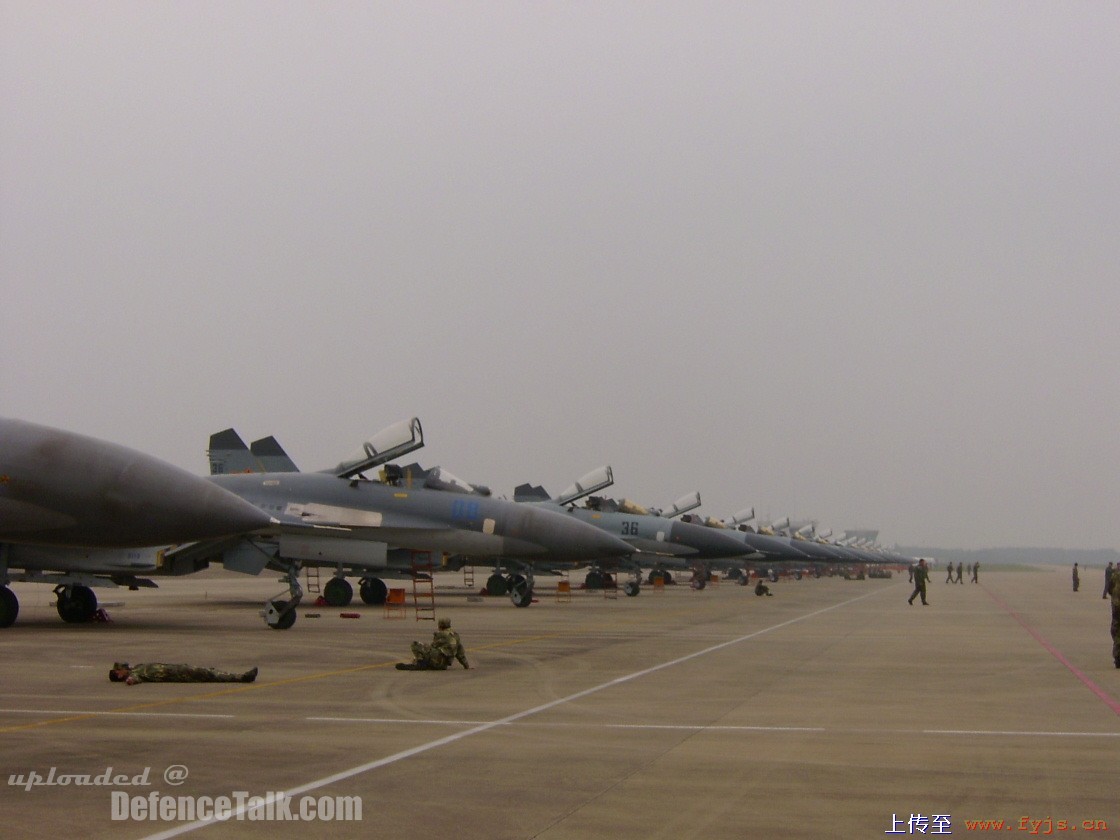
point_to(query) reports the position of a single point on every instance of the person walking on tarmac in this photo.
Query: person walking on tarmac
(960, 571)
(921, 577)
(1076, 578)
(949, 577)
(1115, 618)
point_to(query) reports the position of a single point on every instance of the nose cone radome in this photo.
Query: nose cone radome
(816, 551)
(773, 547)
(567, 538)
(708, 542)
(69, 489)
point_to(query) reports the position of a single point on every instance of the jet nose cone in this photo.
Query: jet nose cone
(63, 488)
(566, 537)
(775, 548)
(708, 542)
(220, 512)
(603, 544)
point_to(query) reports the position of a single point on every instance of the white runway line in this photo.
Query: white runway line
(107, 714)
(485, 727)
(723, 728)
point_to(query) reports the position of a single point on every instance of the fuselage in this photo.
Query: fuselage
(420, 518)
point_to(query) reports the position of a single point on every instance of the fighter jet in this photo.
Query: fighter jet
(654, 538)
(76, 512)
(757, 548)
(341, 519)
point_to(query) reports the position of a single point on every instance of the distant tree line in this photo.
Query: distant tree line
(1087, 557)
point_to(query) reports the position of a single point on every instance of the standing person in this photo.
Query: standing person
(160, 672)
(1116, 618)
(949, 577)
(1076, 578)
(1108, 573)
(960, 571)
(921, 576)
(976, 572)
(445, 647)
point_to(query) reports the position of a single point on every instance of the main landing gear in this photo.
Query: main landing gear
(518, 586)
(598, 579)
(338, 592)
(76, 604)
(373, 591)
(9, 607)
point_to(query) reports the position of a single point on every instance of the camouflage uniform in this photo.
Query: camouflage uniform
(160, 672)
(445, 648)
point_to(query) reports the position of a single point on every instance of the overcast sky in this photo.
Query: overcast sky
(855, 262)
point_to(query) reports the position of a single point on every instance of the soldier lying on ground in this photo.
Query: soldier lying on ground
(159, 672)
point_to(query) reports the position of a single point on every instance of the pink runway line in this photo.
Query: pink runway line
(1108, 699)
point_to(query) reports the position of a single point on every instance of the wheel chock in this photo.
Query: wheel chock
(312, 615)
(349, 615)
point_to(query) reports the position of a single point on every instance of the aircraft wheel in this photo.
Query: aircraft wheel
(734, 573)
(496, 585)
(631, 588)
(78, 607)
(593, 580)
(520, 592)
(608, 580)
(744, 580)
(373, 591)
(9, 607)
(797, 575)
(701, 581)
(338, 592)
(653, 577)
(287, 619)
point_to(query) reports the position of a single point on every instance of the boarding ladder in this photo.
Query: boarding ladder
(311, 575)
(423, 586)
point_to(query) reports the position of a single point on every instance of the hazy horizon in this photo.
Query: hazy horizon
(847, 262)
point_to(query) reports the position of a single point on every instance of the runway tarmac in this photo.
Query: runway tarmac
(832, 709)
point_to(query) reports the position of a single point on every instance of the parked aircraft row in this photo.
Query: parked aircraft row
(80, 513)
